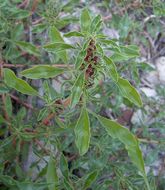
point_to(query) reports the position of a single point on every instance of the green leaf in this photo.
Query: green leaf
(80, 58)
(28, 185)
(8, 105)
(17, 32)
(59, 122)
(77, 90)
(21, 14)
(39, 28)
(3, 89)
(82, 132)
(28, 47)
(109, 42)
(100, 49)
(64, 167)
(51, 175)
(111, 68)
(116, 57)
(130, 51)
(85, 20)
(58, 46)
(21, 114)
(115, 130)
(8, 181)
(129, 92)
(2, 120)
(96, 24)
(18, 84)
(90, 179)
(67, 185)
(73, 34)
(42, 71)
(42, 113)
(125, 53)
(55, 36)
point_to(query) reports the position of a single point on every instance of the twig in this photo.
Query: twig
(29, 106)
(108, 17)
(24, 4)
(46, 121)
(37, 21)
(23, 65)
(148, 18)
(150, 141)
(42, 146)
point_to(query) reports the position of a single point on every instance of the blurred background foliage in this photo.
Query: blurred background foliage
(27, 149)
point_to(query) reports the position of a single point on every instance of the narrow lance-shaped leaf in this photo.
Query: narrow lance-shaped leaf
(51, 175)
(80, 58)
(117, 56)
(20, 14)
(73, 34)
(111, 68)
(115, 130)
(8, 105)
(77, 90)
(58, 46)
(42, 71)
(18, 84)
(28, 47)
(17, 32)
(125, 53)
(130, 51)
(95, 24)
(64, 167)
(129, 92)
(82, 132)
(55, 36)
(90, 179)
(85, 20)
(67, 185)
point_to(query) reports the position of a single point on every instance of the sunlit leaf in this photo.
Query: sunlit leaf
(85, 20)
(111, 68)
(28, 47)
(73, 34)
(42, 71)
(115, 130)
(95, 24)
(55, 36)
(51, 175)
(18, 84)
(82, 132)
(64, 167)
(77, 90)
(90, 179)
(58, 46)
(129, 92)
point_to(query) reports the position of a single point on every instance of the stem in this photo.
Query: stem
(150, 141)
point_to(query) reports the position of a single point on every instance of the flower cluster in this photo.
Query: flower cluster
(91, 60)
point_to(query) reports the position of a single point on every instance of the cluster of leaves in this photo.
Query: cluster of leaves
(55, 123)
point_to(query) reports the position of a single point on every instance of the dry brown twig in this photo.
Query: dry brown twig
(24, 4)
(21, 102)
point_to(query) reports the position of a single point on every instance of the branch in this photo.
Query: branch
(29, 106)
